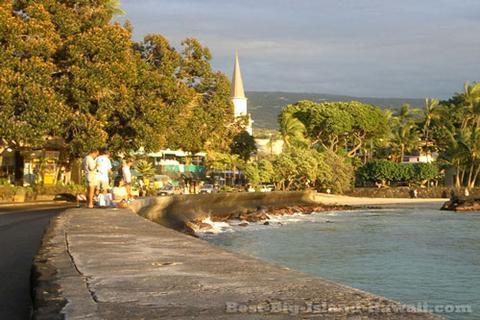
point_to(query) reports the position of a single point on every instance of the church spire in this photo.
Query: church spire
(237, 83)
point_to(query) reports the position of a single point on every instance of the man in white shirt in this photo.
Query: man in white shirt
(127, 176)
(104, 169)
(89, 166)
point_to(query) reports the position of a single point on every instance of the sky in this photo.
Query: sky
(363, 48)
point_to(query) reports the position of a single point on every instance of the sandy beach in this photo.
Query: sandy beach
(331, 199)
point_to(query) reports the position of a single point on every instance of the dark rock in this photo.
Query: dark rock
(65, 197)
(222, 218)
(266, 223)
(462, 204)
(198, 226)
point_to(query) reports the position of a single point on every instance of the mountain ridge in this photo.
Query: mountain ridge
(265, 106)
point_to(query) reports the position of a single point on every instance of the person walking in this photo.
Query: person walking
(89, 166)
(104, 170)
(127, 177)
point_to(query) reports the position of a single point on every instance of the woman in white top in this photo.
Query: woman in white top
(89, 166)
(127, 176)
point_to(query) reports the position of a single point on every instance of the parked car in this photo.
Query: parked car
(267, 188)
(207, 188)
(167, 190)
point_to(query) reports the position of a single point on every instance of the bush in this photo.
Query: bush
(378, 171)
(386, 172)
(6, 193)
(226, 189)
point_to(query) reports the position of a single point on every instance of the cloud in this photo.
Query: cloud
(405, 48)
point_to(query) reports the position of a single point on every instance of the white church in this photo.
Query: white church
(238, 96)
(264, 146)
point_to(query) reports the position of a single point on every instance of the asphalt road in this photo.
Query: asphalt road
(21, 230)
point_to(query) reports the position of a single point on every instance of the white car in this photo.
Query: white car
(267, 188)
(167, 190)
(207, 188)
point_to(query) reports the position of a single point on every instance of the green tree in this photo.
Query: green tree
(339, 125)
(292, 129)
(243, 145)
(28, 43)
(342, 172)
(300, 168)
(252, 173)
(266, 170)
(429, 113)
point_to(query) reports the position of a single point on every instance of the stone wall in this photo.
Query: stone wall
(404, 192)
(168, 210)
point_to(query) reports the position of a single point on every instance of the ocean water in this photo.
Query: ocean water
(409, 254)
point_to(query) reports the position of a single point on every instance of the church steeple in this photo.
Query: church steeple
(237, 83)
(238, 95)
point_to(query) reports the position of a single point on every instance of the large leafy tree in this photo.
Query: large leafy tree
(197, 99)
(67, 71)
(339, 125)
(243, 145)
(30, 107)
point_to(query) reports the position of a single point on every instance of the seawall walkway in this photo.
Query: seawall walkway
(114, 264)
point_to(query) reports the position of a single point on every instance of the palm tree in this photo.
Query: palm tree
(471, 101)
(404, 133)
(145, 168)
(429, 113)
(404, 138)
(455, 153)
(292, 130)
(469, 140)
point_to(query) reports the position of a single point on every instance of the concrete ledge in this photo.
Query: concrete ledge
(114, 264)
(172, 211)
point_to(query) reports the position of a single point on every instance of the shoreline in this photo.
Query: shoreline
(82, 271)
(210, 223)
(330, 199)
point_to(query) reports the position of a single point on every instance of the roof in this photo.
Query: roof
(237, 83)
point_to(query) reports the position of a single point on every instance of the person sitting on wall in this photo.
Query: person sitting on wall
(89, 166)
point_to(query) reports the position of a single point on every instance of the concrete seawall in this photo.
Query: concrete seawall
(114, 264)
(171, 211)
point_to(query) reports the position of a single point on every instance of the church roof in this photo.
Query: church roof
(237, 83)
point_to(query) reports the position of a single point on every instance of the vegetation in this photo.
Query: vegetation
(384, 172)
(68, 72)
(243, 145)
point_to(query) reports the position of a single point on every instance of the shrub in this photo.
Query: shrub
(386, 172)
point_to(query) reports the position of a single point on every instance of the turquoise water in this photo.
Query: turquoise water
(413, 255)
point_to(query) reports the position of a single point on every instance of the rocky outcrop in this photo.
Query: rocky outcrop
(196, 223)
(462, 204)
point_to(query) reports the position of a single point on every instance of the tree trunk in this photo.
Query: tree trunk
(19, 165)
(470, 175)
(462, 176)
(475, 176)
(457, 177)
